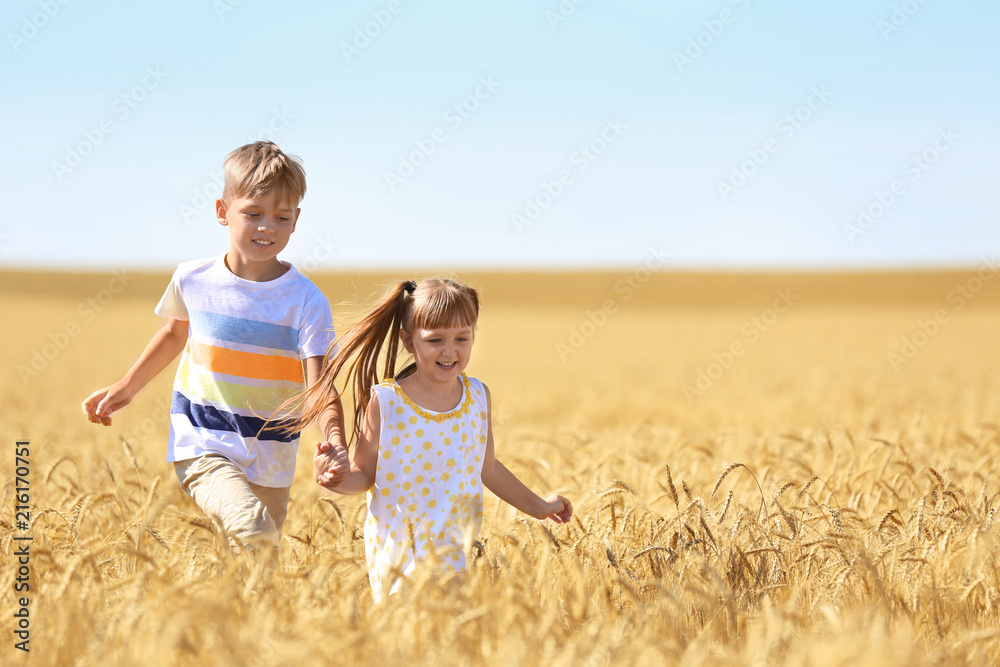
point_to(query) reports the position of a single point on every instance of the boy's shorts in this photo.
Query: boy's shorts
(248, 512)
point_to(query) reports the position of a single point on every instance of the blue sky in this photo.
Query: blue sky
(736, 134)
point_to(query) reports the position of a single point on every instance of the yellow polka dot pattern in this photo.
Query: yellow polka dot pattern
(428, 495)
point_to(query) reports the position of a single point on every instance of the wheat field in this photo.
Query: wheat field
(771, 469)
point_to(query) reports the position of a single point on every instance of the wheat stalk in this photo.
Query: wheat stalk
(672, 490)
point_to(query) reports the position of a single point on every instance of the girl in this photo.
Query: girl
(424, 437)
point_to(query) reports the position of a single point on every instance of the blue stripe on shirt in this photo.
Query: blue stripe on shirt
(208, 417)
(248, 332)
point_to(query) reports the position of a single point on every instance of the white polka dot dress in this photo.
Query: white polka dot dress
(428, 490)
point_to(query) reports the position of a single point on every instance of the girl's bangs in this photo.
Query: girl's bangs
(443, 309)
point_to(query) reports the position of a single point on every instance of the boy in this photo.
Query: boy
(248, 325)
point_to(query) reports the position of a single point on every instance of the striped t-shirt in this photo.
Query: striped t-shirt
(243, 358)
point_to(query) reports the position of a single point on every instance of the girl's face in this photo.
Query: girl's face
(440, 354)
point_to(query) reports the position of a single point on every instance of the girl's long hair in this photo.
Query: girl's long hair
(431, 304)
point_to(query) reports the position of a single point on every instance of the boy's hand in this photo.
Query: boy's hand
(99, 405)
(165, 345)
(560, 509)
(330, 465)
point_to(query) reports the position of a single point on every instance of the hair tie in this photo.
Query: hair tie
(410, 286)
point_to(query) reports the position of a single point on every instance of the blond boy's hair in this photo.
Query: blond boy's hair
(257, 168)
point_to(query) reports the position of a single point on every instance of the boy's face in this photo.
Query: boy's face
(258, 230)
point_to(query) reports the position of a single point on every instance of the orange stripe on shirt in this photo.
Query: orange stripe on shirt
(245, 364)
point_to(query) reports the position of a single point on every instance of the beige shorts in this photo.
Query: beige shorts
(248, 512)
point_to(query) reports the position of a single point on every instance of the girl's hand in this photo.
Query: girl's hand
(560, 509)
(330, 465)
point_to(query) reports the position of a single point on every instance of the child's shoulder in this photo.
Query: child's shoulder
(478, 389)
(213, 269)
(475, 383)
(385, 386)
(193, 273)
(391, 386)
(196, 266)
(301, 281)
(384, 394)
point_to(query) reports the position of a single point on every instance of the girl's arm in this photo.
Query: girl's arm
(165, 345)
(511, 490)
(361, 475)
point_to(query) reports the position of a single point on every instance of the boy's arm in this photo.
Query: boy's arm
(361, 474)
(331, 422)
(511, 490)
(163, 348)
(330, 460)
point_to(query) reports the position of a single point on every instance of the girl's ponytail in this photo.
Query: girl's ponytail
(437, 303)
(361, 345)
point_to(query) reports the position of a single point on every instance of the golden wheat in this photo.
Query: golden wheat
(885, 554)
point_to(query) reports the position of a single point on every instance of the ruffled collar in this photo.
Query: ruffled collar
(435, 416)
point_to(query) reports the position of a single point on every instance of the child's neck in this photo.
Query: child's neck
(430, 394)
(258, 272)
